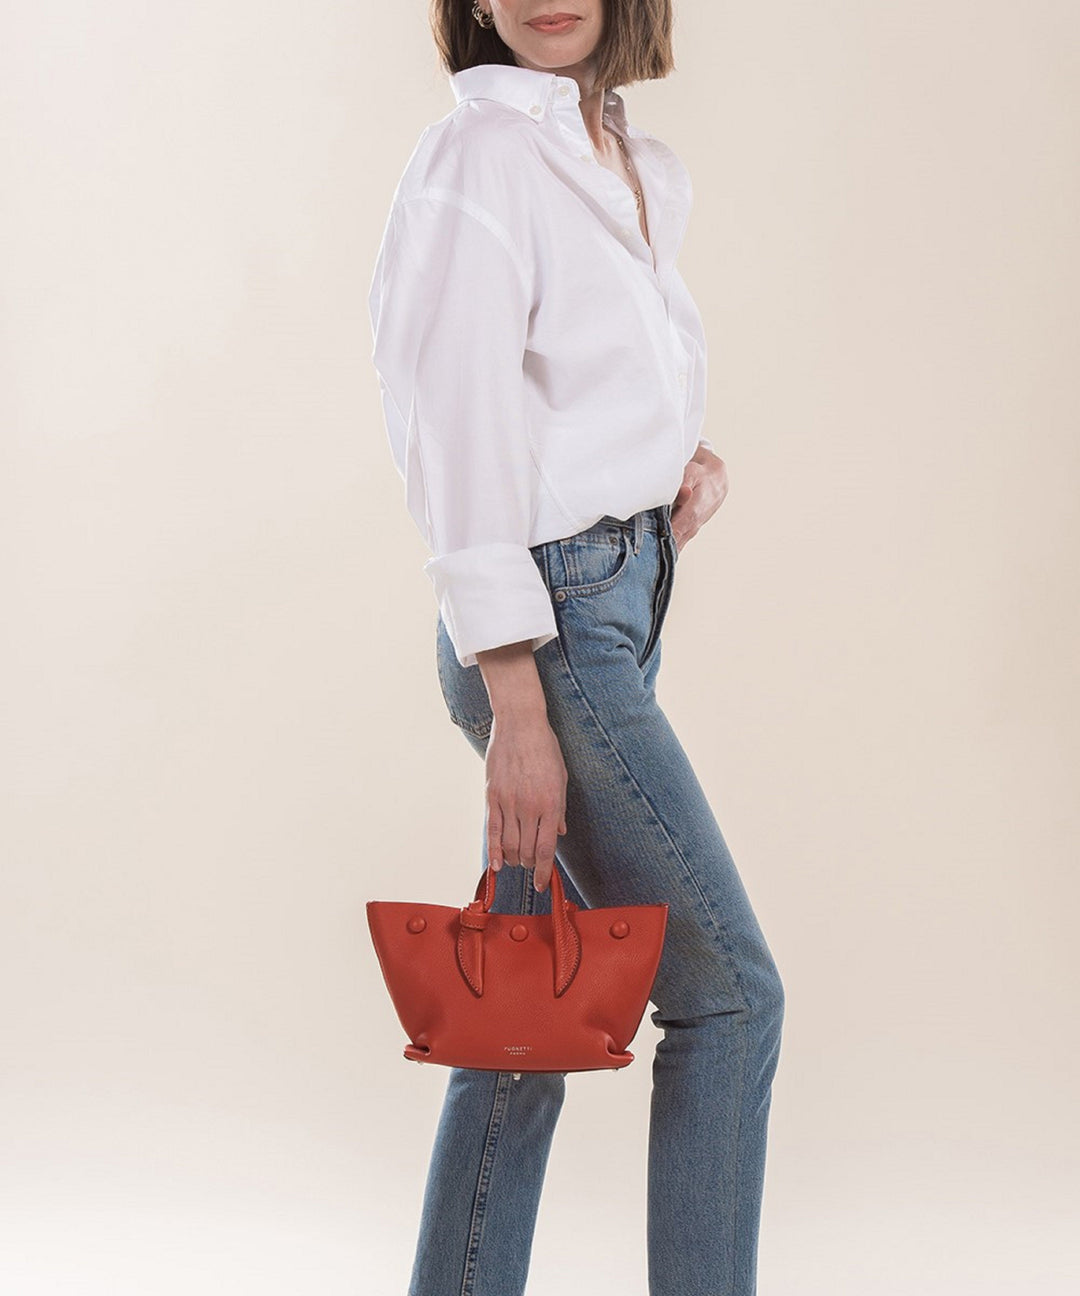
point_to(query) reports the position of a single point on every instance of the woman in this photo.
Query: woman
(542, 367)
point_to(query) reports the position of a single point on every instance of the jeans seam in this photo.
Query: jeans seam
(483, 1182)
(718, 930)
(738, 1152)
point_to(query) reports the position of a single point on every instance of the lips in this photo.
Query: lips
(552, 20)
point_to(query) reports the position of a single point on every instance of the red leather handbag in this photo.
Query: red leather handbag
(564, 991)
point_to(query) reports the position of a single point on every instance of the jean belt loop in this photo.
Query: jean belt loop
(639, 530)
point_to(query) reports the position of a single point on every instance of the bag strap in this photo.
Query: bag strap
(474, 920)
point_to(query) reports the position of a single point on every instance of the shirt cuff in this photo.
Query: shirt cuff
(704, 441)
(489, 595)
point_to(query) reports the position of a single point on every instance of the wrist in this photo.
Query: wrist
(520, 714)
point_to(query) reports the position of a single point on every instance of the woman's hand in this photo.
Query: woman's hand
(526, 775)
(526, 797)
(704, 488)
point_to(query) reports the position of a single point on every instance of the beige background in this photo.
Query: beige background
(222, 728)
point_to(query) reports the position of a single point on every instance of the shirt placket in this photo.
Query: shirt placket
(666, 207)
(615, 195)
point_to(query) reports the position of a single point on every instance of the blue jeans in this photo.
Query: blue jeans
(639, 831)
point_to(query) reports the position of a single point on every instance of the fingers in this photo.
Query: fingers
(545, 854)
(531, 846)
(545, 836)
(494, 836)
(504, 838)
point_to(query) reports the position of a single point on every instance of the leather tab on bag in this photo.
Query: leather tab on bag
(567, 949)
(475, 918)
(470, 947)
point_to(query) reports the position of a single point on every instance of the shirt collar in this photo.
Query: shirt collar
(533, 92)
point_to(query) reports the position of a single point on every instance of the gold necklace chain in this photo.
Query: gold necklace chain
(629, 166)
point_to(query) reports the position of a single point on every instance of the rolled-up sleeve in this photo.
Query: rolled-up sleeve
(450, 303)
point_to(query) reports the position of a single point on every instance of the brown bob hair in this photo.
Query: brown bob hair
(635, 44)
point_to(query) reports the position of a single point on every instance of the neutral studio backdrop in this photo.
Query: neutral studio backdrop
(222, 731)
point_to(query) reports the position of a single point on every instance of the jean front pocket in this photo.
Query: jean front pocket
(592, 562)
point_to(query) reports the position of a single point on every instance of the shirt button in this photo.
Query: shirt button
(534, 108)
(682, 378)
(585, 156)
(564, 90)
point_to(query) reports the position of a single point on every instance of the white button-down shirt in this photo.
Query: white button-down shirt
(540, 364)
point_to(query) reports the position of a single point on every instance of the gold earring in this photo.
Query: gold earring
(484, 18)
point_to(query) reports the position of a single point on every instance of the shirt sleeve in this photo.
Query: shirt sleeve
(450, 305)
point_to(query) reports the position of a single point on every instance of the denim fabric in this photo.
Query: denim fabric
(639, 831)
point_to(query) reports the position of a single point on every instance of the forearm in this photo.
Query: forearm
(513, 683)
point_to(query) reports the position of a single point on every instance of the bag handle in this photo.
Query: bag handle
(474, 919)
